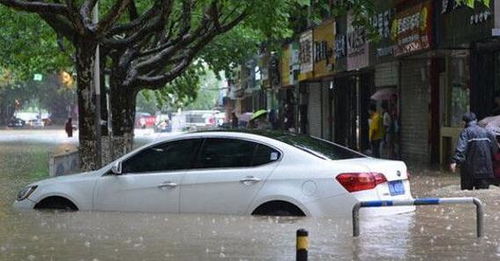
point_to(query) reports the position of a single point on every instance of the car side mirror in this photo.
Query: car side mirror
(117, 168)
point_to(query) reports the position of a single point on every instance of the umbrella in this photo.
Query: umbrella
(258, 114)
(491, 123)
(383, 94)
(245, 117)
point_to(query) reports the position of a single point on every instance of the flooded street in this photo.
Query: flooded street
(431, 233)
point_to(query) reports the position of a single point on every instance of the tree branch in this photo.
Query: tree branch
(132, 11)
(111, 17)
(36, 6)
(60, 24)
(159, 81)
(151, 21)
(86, 12)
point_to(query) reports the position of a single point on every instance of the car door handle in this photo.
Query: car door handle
(167, 184)
(250, 179)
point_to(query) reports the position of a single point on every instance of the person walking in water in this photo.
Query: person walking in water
(376, 130)
(69, 128)
(474, 154)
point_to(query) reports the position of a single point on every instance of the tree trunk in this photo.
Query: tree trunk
(122, 101)
(85, 56)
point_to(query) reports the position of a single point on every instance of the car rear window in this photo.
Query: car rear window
(319, 148)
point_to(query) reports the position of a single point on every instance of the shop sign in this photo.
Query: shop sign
(285, 65)
(324, 40)
(479, 16)
(412, 29)
(357, 46)
(382, 23)
(340, 46)
(294, 64)
(306, 55)
(289, 64)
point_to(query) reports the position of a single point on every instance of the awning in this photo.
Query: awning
(383, 94)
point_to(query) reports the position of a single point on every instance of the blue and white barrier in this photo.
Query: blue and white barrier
(418, 202)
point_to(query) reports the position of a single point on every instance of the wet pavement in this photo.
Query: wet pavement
(431, 233)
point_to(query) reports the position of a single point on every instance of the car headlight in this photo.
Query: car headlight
(25, 193)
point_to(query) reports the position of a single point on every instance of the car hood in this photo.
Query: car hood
(65, 178)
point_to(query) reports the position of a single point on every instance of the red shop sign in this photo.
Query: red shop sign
(412, 29)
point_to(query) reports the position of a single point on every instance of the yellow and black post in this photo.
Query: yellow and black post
(302, 244)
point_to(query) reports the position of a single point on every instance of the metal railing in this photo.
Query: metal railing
(418, 202)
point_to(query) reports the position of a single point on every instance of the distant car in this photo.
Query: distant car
(36, 123)
(16, 123)
(163, 126)
(225, 172)
(144, 120)
(200, 119)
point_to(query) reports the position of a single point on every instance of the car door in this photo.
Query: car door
(150, 180)
(227, 175)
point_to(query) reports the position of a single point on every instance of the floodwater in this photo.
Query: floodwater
(431, 233)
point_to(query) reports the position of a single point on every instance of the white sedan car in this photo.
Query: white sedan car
(225, 172)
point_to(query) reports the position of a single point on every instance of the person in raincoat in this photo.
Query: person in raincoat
(475, 150)
(259, 121)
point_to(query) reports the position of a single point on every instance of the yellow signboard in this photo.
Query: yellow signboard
(324, 44)
(285, 65)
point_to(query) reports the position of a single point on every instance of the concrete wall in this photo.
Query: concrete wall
(63, 163)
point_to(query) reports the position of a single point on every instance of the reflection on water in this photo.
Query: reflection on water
(431, 233)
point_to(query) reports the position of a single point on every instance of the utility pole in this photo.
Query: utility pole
(97, 84)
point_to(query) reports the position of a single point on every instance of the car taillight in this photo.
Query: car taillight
(211, 120)
(353, 182)
(408, 175)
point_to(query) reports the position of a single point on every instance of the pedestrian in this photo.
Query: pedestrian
(388, 130)
(259, 121)
(376, 130)
(288, 119)
(69, 128)
(234, 120)
(474, 154)
(273, 119)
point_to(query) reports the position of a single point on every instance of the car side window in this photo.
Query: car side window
(234, 153)
(169, 156)
(264, 154)
(226, 153)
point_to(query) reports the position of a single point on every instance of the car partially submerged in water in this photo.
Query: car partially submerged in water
(229, 172)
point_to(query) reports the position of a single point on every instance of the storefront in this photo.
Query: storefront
(306, 58)
(352, 86)
(288, 93)
(468, 79)
(320, 98)
(386, 75)
(412, 32)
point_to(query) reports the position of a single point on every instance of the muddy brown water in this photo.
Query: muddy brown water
(431, 233)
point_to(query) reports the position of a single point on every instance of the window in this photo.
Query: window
(168, 156)
(264, 154)
(320, 148)
(234, 153)
(226, 153)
